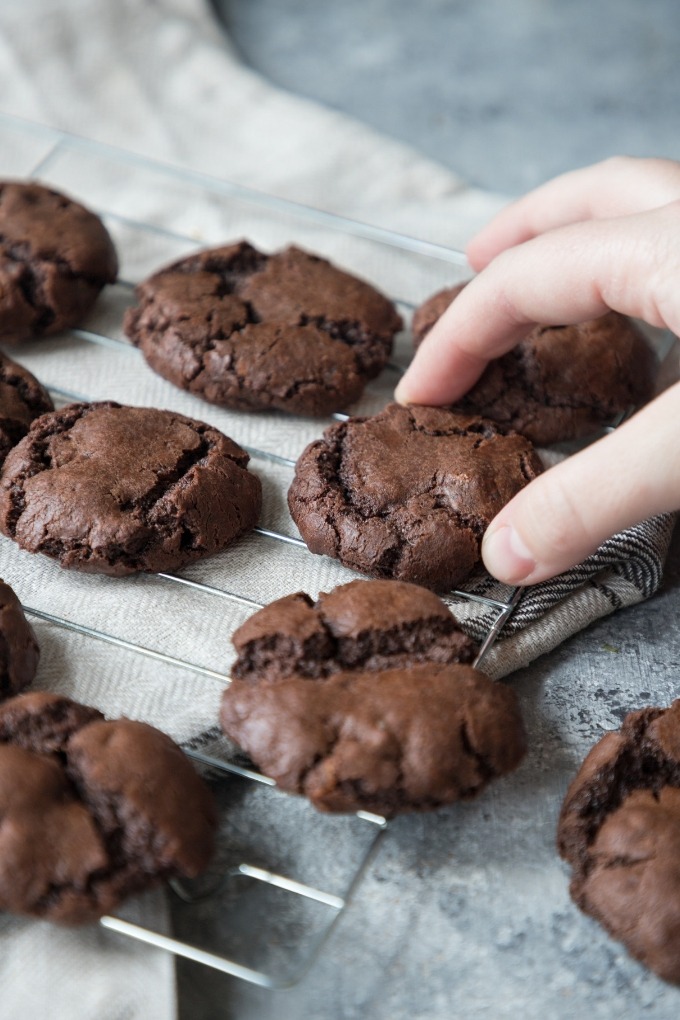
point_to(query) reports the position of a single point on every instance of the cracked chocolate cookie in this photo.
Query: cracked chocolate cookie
(93, 810)
(363, 700)
(559, 382)
(253, 331)
(364, 625)
(112, 489)
(55, 258)
(22, 398)
(408, 493)
(619, 829)
(19, 652)
(388, 741)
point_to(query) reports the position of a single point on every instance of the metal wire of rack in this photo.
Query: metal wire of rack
(54, 147)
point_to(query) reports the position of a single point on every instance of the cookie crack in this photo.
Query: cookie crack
(517, 368)
(332, 468)
(322, 654)
(386, 799)
(244, 262)
(415, 638)
(353, 788)
(12, 430)
(29, 282)
(440, 501)
(136, 849)
(484, 767)
(597, 407)
(525, 467)
(22, 253)
(126, 871)
(31, 397)
(167, 479)
(536, 391)
(644, 769)
(230, 269)
(621, 861)
(307, 771)
(47, 731)
(55, 891)
(41, 461)
(370, 349)
(312, 383)
(204, 347)
(330, 462)
(484, 429)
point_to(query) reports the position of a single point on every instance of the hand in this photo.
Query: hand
(600, 238)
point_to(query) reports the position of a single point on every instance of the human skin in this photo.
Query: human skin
(605, 237)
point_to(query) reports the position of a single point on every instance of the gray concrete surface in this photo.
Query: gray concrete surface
(466, 913)
(505, 92)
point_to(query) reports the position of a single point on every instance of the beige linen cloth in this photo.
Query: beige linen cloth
(159, 80)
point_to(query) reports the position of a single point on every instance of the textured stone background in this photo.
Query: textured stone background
(505, 92)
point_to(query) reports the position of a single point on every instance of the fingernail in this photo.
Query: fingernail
(506, 555)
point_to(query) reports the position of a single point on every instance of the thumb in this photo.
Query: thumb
(565, 514)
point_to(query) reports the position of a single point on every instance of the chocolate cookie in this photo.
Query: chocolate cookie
(362, 701)
(431, 310)
(19, 652)
(409, 492)
(55, 257)
(620, 830)
(559, 382)
(92, 810)
(406, 739)
(22, 398)
(363, 625)
(253, 332)
(113, 490)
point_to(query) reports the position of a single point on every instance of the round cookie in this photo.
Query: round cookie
(409, 492)
(22, 398)
(55, 258)
(388, 741)
(93, 810)
(363, 625)
(111, 489)
(253, 332)
(559, 382)
(19, 651)
(619, 829)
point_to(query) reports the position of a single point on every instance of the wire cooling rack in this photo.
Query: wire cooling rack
(281, 896)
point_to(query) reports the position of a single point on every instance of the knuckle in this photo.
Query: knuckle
(662, 175)
(619, 163)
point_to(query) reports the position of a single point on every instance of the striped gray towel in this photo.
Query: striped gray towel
(626, 569)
